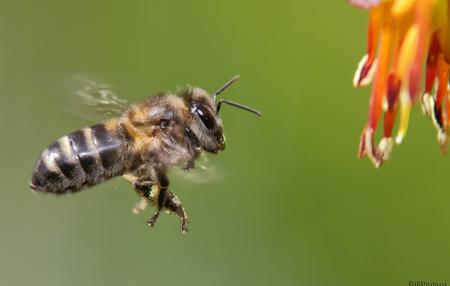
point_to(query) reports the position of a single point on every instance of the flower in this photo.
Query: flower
(408, 40)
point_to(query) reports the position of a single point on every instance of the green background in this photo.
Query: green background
(294, 206)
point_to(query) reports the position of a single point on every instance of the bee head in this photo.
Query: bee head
(206, 124)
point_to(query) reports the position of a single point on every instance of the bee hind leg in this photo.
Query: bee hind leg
(160, 195)
(173, 205)
(167, 200)
(161, 198)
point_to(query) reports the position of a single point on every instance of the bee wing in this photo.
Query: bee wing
(203, 173)
(94, 100)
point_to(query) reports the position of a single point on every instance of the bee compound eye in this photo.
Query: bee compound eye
(164, 123)
(205, 117)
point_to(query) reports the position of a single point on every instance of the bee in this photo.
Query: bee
(150, 137)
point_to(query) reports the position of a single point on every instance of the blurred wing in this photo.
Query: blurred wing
(203, 172)
(94, 100)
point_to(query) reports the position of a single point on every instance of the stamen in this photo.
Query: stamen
(405, 109)
(385, 148)
(365, 72)
(372, 152)
(407, 52)
(427, 104)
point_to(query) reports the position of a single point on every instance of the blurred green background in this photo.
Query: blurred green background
(294, 207)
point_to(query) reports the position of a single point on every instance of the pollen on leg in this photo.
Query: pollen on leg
(154, 193)
(140, 206)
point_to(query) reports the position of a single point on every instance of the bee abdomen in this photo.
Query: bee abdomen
(81, 159)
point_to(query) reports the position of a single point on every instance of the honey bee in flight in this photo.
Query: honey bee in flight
(150, 137)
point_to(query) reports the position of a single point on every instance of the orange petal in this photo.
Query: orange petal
(441, 92)
(401, 7)
(393, 90)
(432, 60)
(443, 34)
(423, 19)
(407, 52)
(379, 86)
(367, 65)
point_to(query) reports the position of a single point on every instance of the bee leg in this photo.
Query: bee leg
(189, 165)
(173, 204)
(168, 200)
(144, 189)
(159, 196)
(162, 196)
(140, 206)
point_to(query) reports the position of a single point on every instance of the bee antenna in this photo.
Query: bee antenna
(238, 105)
(224, 87)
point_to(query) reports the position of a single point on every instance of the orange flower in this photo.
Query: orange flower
(407, 40)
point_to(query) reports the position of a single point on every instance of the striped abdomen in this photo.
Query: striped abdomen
(81, 159)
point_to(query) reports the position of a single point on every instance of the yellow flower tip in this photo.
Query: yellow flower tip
(385, 104)
(385, 148)
(407, 52)
(401, 7)
(399, 138)
(365, 72)
(405, 109)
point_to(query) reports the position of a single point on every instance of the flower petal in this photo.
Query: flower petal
(364, 4)
(379, 85)
(423, 10)
(367, 65)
